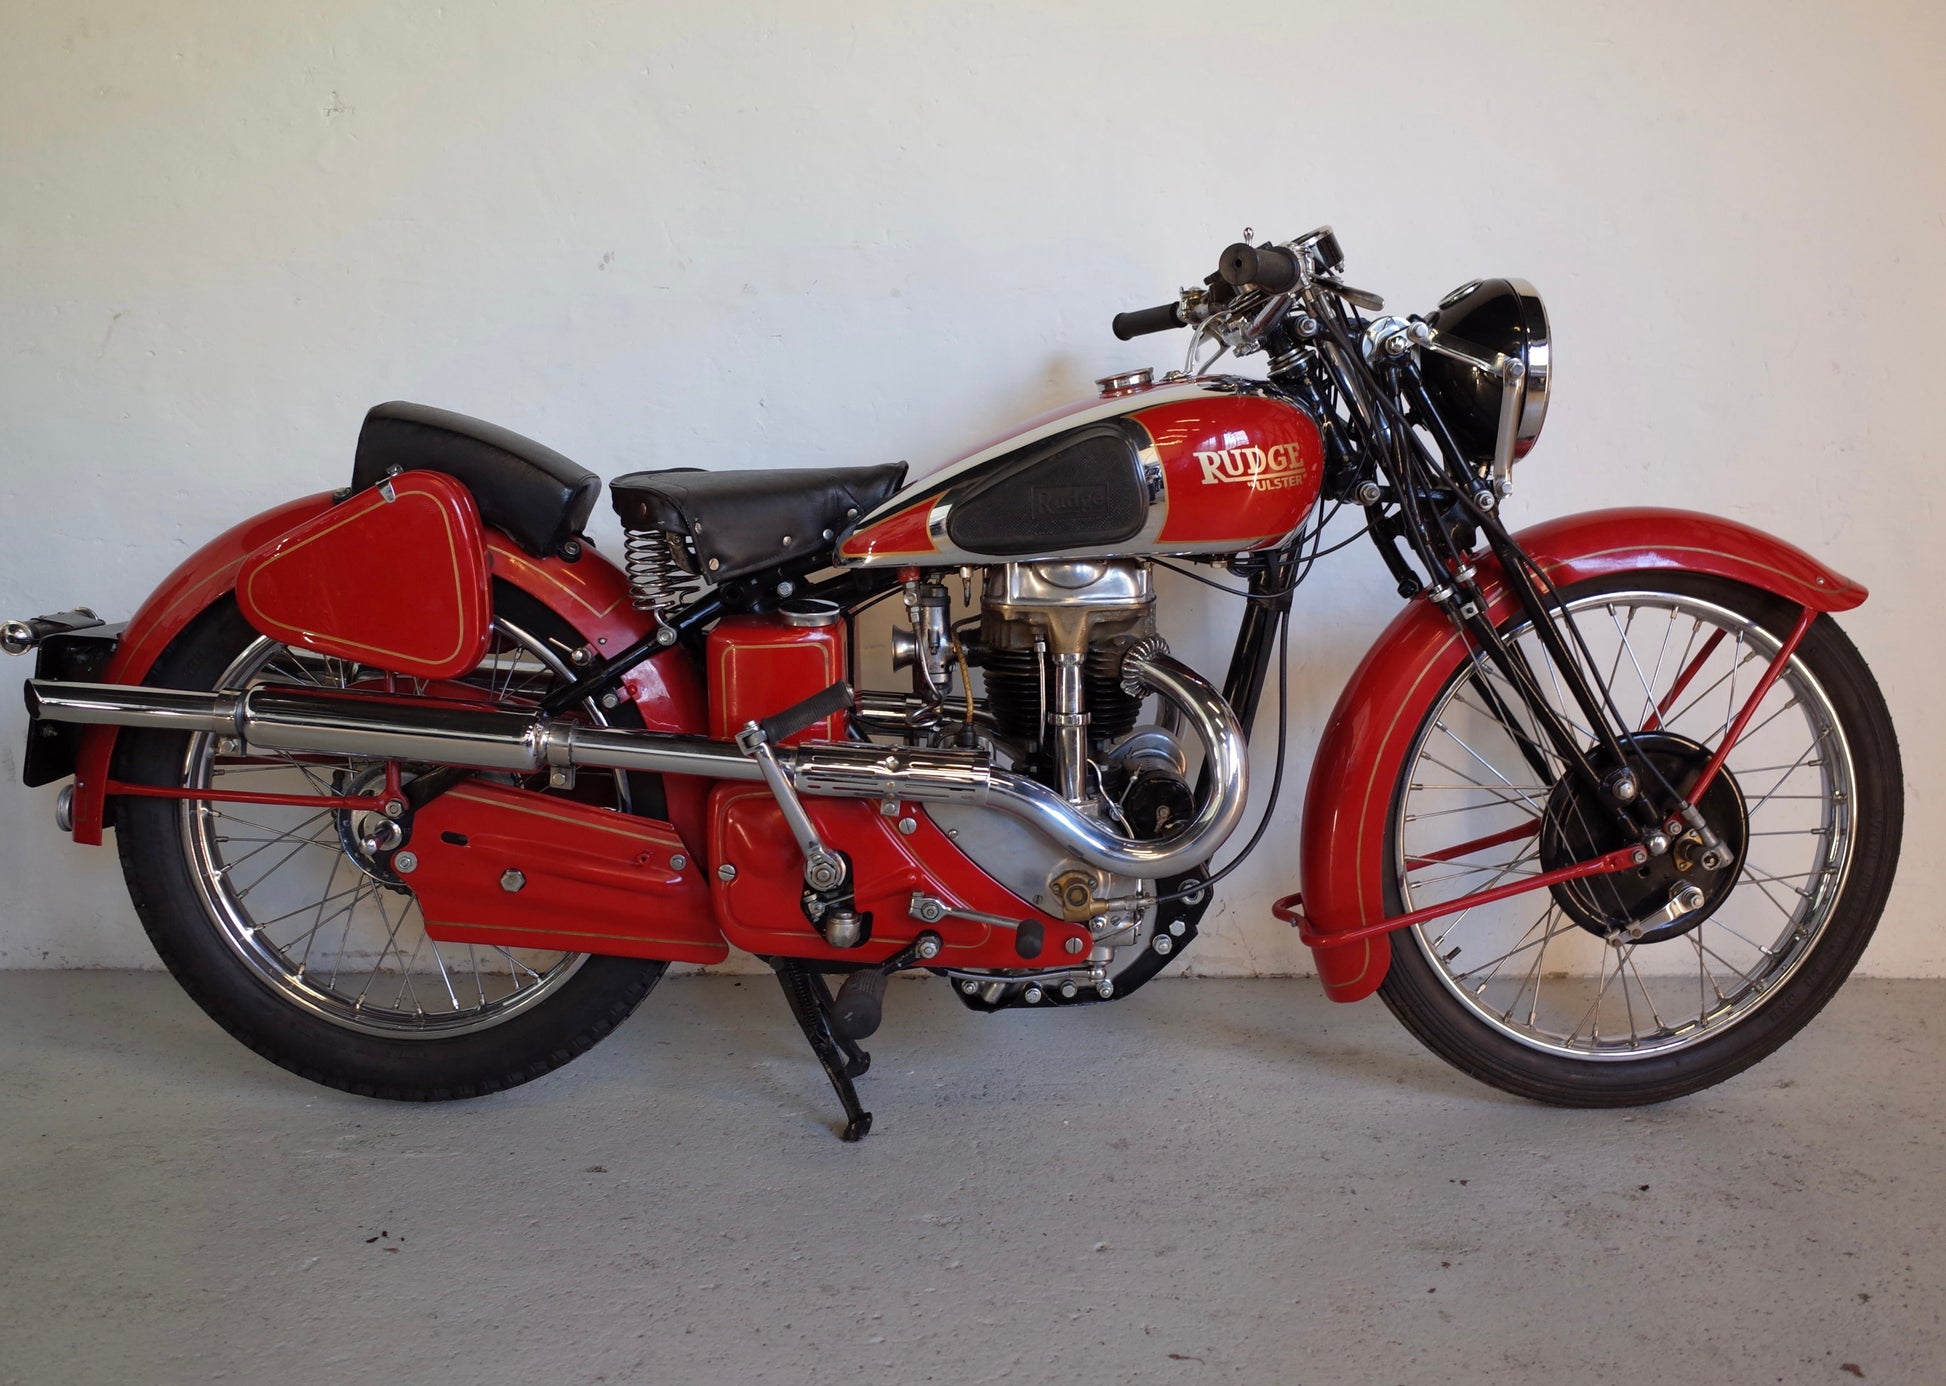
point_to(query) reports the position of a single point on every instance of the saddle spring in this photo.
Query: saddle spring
(658, 577)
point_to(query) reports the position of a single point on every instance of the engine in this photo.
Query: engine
(1039, 621)
(1053, 641)
(1051, 644)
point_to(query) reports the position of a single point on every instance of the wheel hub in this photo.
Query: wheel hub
(1669, 894)
(366, 837)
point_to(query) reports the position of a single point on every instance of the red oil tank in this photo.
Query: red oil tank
(1212, 465)
(759, 665)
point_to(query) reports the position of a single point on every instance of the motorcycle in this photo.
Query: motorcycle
(418, 795)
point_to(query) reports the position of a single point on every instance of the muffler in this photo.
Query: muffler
(384, 727)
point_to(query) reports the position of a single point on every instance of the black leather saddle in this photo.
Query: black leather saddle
(534, 495)
(745, 522)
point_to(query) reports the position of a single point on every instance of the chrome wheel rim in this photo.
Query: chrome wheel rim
(285, 890)
(1522, 966)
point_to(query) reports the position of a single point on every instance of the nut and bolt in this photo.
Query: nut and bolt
(1178, 928)
(908, 826)
(929, 946)
(1068, 991)
(1032, 996)
(969, 987)
(383, 838)
(405, 863)
(678, 862)
(1074, 945)
(1164, 944)
(726, 873)
(1104, 988)
(513, 881)
(395, 808)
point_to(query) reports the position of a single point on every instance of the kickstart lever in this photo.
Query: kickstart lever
(824, 870)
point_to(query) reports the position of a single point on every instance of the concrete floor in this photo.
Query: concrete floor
(1213, 1181)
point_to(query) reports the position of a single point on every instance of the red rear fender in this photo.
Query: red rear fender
(1342, 841)
(590, 594)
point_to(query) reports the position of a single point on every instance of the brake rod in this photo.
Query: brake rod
(1289, 909)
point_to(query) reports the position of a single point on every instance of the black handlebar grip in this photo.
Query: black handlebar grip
(815, 708)
(1267, 267)
(1143, 321)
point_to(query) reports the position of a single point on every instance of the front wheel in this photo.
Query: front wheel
(285, 926)
(1645, 985)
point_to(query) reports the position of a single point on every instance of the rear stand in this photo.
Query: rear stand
(811, 1004)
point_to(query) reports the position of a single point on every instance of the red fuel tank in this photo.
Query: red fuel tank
(1212, 465)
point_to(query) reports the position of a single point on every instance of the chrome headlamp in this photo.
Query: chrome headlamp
(1489, 319)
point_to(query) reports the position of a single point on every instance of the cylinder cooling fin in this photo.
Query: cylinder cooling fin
(1016, 680)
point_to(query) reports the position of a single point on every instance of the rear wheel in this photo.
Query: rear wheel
(284, 924)
(1645, 985)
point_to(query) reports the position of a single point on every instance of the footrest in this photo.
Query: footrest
(860, 1006)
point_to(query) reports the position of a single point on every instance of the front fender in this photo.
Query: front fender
(591, 594)
(1341, 846)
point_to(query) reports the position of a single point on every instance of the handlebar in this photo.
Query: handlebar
(1161, 318)
(1268, 267)
(1273, 269)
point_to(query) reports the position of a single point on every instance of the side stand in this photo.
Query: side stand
(811, 1003)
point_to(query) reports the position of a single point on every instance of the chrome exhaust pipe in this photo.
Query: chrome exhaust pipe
(383, 727)
(380, 726)
(1225, 757)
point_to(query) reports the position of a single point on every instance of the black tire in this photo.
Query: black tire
(1420, 988)
(586, 1006)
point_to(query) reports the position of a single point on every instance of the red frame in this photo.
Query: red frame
(1341, 842)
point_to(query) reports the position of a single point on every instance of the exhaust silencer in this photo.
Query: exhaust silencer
(385, 727)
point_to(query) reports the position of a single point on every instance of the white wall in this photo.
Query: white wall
(808, 234)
